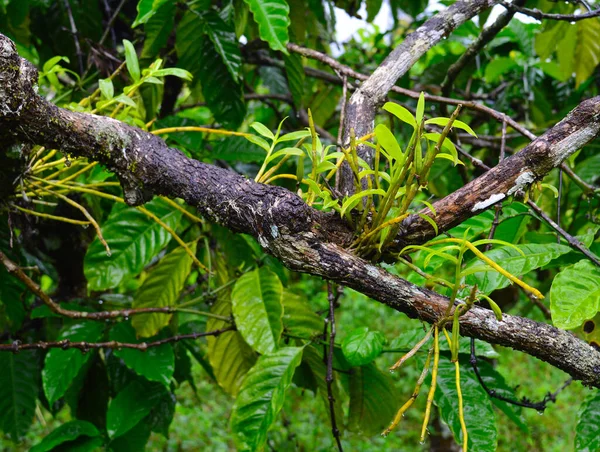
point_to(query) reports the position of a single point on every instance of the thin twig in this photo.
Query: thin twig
(17, 272)
(539, 15)
(332, 298)
(66, 344)
(524, 402)
(75, 34)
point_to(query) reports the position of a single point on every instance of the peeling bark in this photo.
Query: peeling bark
(303, 238)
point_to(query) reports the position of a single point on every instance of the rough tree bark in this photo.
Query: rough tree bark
(303, 238)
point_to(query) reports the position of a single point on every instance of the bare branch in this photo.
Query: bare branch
(539, 15)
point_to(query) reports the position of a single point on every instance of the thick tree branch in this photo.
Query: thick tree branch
(366, 100)
(302, 238)
(512, 176)
(484, 38)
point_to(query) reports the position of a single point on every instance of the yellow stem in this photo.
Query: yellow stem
(436, 360)
(51, 217)
(536, 293)
(199, 129)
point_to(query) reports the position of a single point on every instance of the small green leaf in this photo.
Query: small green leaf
(456, 124)
(62, 366)
(106, 88)
(587, 432)
(294, 136)
(429, 220)
(388, 141)
(353, 200)
(174, 71)
(420, 108)
(156, 363)
(125, 100)
(65, 433)
(575, 295)
(261, 397)
(272, 17)
(498, 67)
(133, 66)
(401, 113)
(257, 309)
(263, 130)
(131, 405)
(258, 141)
(362, 346)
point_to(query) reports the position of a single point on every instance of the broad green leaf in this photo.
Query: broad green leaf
(258, 141)
(146, 9)
(161, 289)
(257, 309)
(156, 363)
(546, 41)
(134, 240)
(133, 66)
(495, 381)
(65, 433)
(12, 307)
(498, 67)
(388, 141)
(587, 432)
(18, 391)
(455, 125)
(373, 7)
(535, 256)
(285, 151)
(294, 71)
(272, 17)
(131, 405)
(313, 357)
(134, 440)
(222, 93)
(229, 355)
(587, 51)
(261, 397)
(401, 113)
(373, 400)
(362, 346)
(158, 29)
(479, 415)
(237, 149)
(298, 318)
(225, 42)
(575, 295)
(62, 366)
